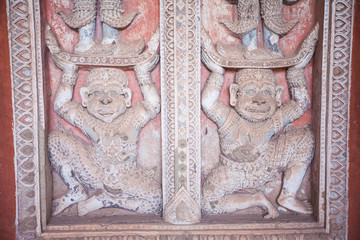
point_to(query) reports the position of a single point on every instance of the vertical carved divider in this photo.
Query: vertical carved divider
(180, 87)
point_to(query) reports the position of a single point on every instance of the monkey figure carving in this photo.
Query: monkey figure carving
(108, 165)
(256, 140)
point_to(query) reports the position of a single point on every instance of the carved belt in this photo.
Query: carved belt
(244, 166)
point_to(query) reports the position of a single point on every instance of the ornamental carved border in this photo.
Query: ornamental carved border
(26, 50)
(180, 90)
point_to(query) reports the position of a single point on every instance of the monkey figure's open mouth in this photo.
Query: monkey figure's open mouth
(106, 112)
(259, 109)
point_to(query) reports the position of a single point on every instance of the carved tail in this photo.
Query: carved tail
(246, 17)
(271, 11)
(83, 14)
(111, 13)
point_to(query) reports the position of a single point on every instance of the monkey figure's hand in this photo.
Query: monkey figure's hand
(210, 64)
(64, 65)
(147, 66)
(70, 70)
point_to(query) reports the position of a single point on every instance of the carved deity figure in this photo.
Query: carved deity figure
(247, 21)
(108, 165)
(83, 18)
(257, 141)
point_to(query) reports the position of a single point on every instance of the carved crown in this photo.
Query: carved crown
(258, 74)
(107, 77)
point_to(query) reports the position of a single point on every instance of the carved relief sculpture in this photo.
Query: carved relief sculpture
(107, 168)
(113, 17)
(180, 60)
(246, 23)
(257, 140)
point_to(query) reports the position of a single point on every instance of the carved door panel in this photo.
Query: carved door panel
(105, 135)
(101, 123)
(255, 43)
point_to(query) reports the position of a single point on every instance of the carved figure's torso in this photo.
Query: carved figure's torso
(253, 151)
(114, 148)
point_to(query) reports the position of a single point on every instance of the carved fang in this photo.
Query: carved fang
(271, 11)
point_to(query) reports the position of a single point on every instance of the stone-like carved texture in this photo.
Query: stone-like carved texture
(252, 136)
(340, 50)
(83, 17)
(246, 23)
(24, 64)
(180, 101)
(108, 165)
(235, 57)
(28, 106)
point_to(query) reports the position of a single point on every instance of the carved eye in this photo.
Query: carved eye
(250, 92)
(97, 94)
(114, 94)
(267, 93)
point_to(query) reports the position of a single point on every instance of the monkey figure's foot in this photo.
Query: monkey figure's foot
(83, 46)
(290, 202)
(266, 204)
(272, 213)
(68, 199)
(89, 205)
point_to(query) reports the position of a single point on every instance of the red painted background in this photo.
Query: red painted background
(143, 26)
(7, 175)
(354, 133)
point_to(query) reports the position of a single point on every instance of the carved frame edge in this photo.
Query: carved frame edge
(24, 23)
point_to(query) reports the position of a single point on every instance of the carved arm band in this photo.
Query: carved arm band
(69, 78)
(143, 78)
(215, 81)
(295, 78)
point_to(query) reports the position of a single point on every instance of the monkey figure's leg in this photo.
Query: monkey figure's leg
(82, 17)
(124, 201)
(219, 197)
(110, 35)
(63, 149)
(272, 42)
(300, 153)
(249, 40)
(137, 192)
(86, 37)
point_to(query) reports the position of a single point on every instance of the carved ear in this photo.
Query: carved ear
(127, 95)
(278, 93)
(234, 88)
(84, 93)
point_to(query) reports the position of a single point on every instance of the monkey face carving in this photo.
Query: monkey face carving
(106, 95)
(255, 95)
(107, 103)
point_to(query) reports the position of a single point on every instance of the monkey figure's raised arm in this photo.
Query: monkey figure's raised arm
(212, 107)
(151, 102)
(300, 99)
(63, 104)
